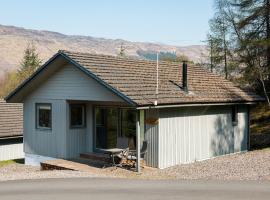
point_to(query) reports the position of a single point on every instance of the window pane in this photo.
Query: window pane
(128, 126)
(77, 115)
(106, 127)
(112, 124)
(44, 116)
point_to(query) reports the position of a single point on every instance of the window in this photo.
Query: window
(115, 128)
(128, 123)
(234, 116)
(77, 115)
(106, 127)
(43, 116)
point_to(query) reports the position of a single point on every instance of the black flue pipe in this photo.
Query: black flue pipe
(184, 77)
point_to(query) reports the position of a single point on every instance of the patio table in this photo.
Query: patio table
(112, 152)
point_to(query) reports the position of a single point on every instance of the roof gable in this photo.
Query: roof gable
(70, 83)
(40, 76)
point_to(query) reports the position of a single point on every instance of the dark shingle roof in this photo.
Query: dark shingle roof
(136, 79)
(11, 119)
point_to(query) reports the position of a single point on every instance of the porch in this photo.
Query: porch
(87, 162)
(98, 126)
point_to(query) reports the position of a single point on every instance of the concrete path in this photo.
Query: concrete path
(118, 189)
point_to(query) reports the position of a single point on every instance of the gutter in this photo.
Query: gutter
(198, 104)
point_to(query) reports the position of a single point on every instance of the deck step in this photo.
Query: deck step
(96, 156)
(61, 164)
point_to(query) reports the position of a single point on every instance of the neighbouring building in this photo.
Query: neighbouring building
(11, 130)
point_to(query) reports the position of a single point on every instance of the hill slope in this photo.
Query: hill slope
(13, 41)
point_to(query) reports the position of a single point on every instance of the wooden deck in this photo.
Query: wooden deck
(78, 164)
(85, 163)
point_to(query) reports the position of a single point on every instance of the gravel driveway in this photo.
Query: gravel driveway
(254, 165)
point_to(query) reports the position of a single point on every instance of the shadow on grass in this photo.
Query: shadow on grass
(259, 141)
(19, 161)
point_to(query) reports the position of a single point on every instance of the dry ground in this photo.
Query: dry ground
(260, 126)
(254, 165)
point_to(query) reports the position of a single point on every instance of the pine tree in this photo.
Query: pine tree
(248, 33)
(29, 63)
(218, 44)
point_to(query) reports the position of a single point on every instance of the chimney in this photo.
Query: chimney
(184, 77)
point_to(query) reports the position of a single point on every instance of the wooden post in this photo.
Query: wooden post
(138, 142)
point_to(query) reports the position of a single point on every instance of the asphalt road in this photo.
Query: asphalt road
(118, 189)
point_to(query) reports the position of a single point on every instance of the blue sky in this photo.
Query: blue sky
(177, 22)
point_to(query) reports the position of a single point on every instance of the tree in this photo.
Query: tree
(122, 51)
(248, 32)
(29, 63)
(9, 83)
(177, 58)
(218, 42)
(254, 23)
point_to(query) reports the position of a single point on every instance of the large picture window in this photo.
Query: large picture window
(43, 116)
(115, 128)
(77, 115)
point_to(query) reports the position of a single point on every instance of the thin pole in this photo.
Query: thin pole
(138, 142)
(157, 78)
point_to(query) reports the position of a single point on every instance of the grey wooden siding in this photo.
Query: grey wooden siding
(52, 142)
(151, 135)
(80, 140)
(241, 130)
(198, 133)
(70, 83)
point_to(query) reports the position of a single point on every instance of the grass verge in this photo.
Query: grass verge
(8, 162)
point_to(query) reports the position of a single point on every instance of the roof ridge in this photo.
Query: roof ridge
(120, 58)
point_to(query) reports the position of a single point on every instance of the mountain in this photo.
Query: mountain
(14, 40)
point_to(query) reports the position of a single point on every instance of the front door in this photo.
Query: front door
(106, 127)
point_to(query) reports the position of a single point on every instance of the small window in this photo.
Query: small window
(234, 116)
(77, 116)
(43, 116)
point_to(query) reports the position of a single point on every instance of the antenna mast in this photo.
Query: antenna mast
(157, 82)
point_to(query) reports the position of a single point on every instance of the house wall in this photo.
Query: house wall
(52, 142)
(11, 149)
(197, 133)
(68, 83)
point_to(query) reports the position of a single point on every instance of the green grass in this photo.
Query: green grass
(9, 162)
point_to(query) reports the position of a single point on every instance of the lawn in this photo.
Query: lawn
(8, 162)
